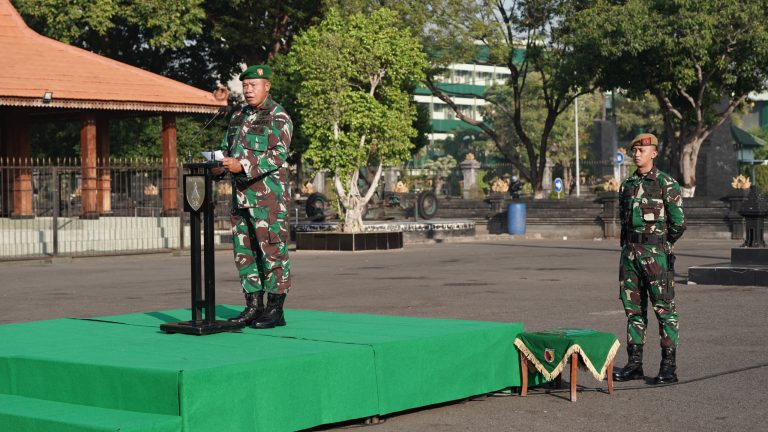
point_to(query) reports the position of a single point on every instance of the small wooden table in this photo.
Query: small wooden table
(548, 351)
(559, 380)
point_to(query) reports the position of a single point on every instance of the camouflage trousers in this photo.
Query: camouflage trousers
(640, 279)
(261, 251)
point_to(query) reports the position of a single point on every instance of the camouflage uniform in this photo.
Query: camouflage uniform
(652, 220)
(259, 139)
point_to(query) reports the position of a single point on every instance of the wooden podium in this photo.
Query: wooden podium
(198, 201)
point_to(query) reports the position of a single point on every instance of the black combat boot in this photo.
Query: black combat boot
(668, 369)
(634, 368)
(254, 307)
(273, 314)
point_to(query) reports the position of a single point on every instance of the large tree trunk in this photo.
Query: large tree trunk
(353, 217)
(688, 158)
(567, 177)
(352, 202)
(685, 139)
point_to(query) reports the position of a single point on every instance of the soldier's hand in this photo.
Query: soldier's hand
(232, 165)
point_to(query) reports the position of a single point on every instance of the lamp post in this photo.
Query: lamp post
(576, 112)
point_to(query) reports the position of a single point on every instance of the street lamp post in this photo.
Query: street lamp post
(578, 180)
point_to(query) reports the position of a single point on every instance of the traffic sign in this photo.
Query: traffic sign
(558, 185)
(619, 158)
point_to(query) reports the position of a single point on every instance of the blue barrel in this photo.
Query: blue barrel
(516, 218)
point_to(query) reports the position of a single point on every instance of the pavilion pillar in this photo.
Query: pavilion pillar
(104, 189)
(170, 171)
(6, 203)
(18, 150)
(17, 139)
(88, 184)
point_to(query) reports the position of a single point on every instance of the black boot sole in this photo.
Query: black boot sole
(267, 325)
(246, 321)
(637, 376)
(657, 381)
(624, 379)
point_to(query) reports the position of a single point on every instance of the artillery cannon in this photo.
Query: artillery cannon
(387, 206)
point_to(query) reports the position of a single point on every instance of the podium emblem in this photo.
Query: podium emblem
(194, 191)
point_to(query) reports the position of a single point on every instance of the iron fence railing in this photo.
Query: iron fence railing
(41, 209)
(42, 212)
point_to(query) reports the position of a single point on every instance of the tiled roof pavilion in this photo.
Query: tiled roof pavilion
(91, 87)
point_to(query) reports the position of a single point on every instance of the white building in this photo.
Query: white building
(465, 83)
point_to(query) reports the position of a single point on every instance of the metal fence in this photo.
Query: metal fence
(41, 211)
(41, 205)
(452, 182)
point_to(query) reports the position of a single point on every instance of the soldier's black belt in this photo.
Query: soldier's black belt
(634, 237)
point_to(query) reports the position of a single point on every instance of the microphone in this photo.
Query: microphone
(223, 110)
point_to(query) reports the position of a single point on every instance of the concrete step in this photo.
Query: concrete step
(22, 414)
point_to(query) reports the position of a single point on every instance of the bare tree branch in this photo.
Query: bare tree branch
(510, 154)
(665, 103)
(375, 181)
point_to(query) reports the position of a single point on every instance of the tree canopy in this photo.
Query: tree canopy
(698, 59)
(351, 98)
(195, 42)
(532, 39)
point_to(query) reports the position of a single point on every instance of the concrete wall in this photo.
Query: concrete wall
(586, 218)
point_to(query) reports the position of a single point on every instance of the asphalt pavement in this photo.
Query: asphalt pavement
(722, 358)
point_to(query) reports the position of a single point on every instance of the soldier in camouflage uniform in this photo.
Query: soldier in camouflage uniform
(255, 148)
(652, 220)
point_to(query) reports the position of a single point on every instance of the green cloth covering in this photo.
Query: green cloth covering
(550, 350)
(20, 414)
(321, 368)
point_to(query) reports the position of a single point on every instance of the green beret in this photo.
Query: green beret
(256, 71)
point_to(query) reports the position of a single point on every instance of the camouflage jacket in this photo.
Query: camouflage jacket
(651, 204)
(259, 138)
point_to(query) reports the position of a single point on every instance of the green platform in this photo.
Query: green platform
(120, 373)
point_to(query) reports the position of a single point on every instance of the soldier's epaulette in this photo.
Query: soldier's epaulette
(279, 123)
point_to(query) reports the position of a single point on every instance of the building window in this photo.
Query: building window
(484, 78)
(462, 77)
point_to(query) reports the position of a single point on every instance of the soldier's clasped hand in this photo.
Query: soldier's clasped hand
(232, 165)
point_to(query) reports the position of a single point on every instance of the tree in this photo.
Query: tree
(533, 117)
(532, 39)
(162, 36)
(413, 16)
(353, 109)
(254, 31)
(562, 150)
(166, 22)
(637, 115)
(699, 60)
(195, 42)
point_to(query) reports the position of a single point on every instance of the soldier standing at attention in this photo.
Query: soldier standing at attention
(652, 220)
(255, 148)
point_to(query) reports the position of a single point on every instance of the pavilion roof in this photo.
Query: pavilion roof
(33, 64)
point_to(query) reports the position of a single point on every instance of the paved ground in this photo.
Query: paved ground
(723, 357)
